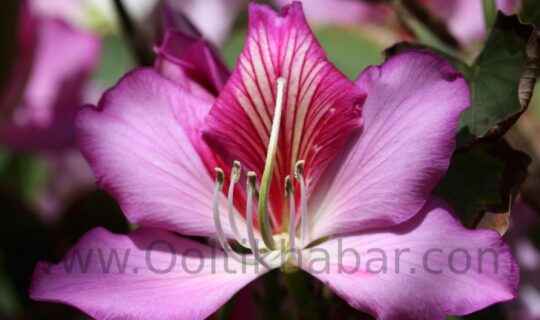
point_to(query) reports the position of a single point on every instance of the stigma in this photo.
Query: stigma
(274, 249)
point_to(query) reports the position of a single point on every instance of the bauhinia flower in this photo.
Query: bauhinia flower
(332, 170)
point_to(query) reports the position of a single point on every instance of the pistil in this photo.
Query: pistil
(264, 221)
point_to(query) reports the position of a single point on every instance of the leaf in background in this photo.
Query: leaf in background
(483, 178)
(348, 49)
(116, 60)
(502, 81)
(530, 12)
(21, 175)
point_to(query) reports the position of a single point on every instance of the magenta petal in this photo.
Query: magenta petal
(143, 146)
(410, 118)
(321, 107)
(427, 274)
(183, 55)
(148, 274)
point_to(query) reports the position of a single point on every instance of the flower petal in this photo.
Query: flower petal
(434, 267)
(147, 274)
(320, 108)
(143, 145)
(410, 118)
(183, 52)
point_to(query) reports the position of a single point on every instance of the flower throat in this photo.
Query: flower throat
(269, 239)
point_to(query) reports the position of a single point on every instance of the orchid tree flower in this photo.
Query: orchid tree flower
(48, 82)
(294, 162)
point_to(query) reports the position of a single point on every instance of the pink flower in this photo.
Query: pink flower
(349, 164)
(47, 83)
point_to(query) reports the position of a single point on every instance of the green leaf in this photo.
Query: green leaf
(530, 12)
(348, 49)
(116, 60)
(21, 175)
(501, 79)
(482, 178)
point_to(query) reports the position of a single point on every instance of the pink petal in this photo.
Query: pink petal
(411, 114)
(321, 107)
(148, 274)
(61, 61)
(181, 54)
(434, 278)
(143, 145)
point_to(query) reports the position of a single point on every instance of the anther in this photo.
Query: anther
(235, 176)
(299, 169)
(299, 174)
(235, 172)
(220, 178)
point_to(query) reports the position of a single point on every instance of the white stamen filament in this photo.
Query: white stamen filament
(269, 253)
(251, 180)
(220, 177)
(303, 202)
(289, 192)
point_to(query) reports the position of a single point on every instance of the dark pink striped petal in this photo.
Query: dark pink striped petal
(321, 107)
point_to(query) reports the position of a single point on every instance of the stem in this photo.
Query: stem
(137, 42)
(297, 283)
(490, 13)
(435, 25)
